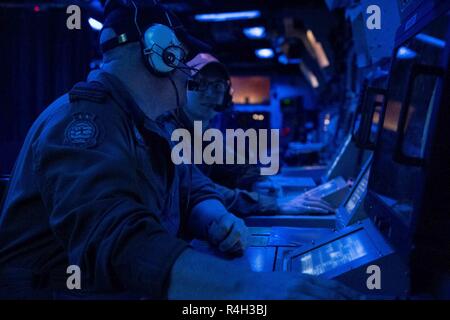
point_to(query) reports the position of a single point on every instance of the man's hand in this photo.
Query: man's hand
(304, 205)
(199, 276)
(229, 234)
(289, 285)
(268, 187)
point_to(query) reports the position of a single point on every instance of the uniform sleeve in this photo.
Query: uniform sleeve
(244, 203)
(242, 176)
(200, 188)
(87, 179)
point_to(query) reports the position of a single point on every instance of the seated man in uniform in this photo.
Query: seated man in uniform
(208, 93)
(94, 187)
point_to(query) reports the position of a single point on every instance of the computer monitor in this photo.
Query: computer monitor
(399, 168)
(367, 122)
(346, 254)
(350, 210)
(357, 194)
(346, 162)
(334, 254)
(332, 191)
(358, 145)
(251, 90)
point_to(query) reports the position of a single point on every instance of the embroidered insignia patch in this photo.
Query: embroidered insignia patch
(82, 132)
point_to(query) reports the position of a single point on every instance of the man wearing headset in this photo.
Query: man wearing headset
(208, 92)
(94, 188)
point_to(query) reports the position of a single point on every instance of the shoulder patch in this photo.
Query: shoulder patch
(82, 132)
(91, 91)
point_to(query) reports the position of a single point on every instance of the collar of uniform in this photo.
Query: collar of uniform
(178, 117)
(120, 94)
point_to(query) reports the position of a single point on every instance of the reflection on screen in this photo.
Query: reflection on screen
(326, 188)
(358, 193)
(335, 254)
(322, 188)
(392, 114)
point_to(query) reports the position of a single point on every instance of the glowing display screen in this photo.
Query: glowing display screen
(334, 254)
(358, 193)
(326, 188)
(249, 90)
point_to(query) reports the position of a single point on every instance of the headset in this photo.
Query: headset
(163, 53)
(161, 49)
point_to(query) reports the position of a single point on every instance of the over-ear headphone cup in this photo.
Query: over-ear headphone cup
(162, 48)
(169, 58)
(172, 56)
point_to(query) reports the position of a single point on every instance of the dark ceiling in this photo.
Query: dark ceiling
(227, 38)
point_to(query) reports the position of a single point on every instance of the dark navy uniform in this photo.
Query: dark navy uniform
(231, 180)
(94, 186)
